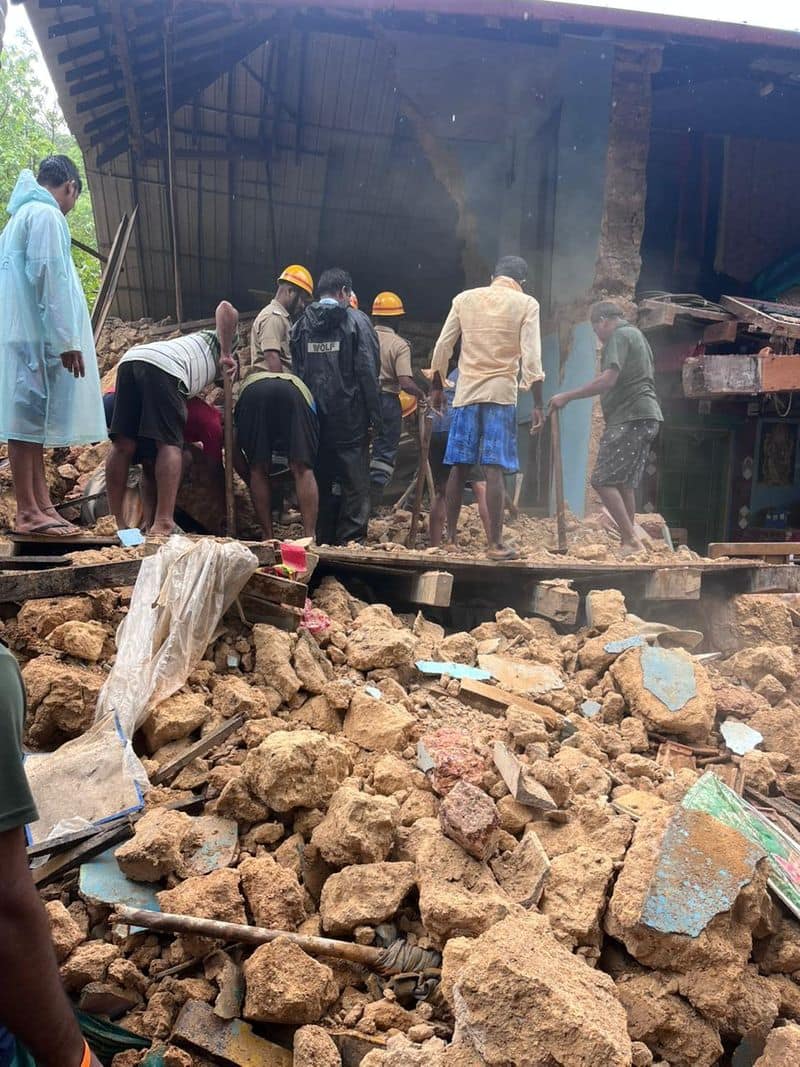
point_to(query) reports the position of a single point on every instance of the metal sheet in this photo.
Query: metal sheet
(739, 737)
(669, 676)
(220, 842)
(701, 869)
(454, 670)
(614, 648)
(102, 881)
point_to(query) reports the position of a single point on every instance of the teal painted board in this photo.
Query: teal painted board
(711, 795)
(615, 647)
(690, 885)
(669, 676)
(101, 880)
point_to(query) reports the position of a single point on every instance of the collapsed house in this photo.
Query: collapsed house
(616, 151)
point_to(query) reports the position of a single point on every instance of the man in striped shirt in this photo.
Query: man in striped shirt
(154, 381)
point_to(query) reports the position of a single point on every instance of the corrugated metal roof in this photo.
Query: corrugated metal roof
(298, 136)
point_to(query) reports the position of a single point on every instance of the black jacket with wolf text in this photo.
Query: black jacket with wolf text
(333, 355)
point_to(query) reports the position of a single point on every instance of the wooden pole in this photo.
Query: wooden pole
(230, 499)
(424, 450)
(558, 481)
(164, 922)
(171, 206)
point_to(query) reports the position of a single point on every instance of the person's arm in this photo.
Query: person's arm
(265, 343)
(532, 374)
(408, 385)
(366, 365)
(49, 272)
(33, 1004)
(227, 320)
(443, 350)
(604, 381)
(405, 372)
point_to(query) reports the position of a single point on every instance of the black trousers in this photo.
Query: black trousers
(342, 474)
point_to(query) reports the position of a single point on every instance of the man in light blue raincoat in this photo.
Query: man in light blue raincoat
(49, 382)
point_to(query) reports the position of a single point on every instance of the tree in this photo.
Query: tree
(29, 131)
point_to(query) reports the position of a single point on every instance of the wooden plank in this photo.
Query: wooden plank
(497, 701)
(759, 317)
(784, 807)
(74, 543)
(774, 578)
(521, 784)
(721, 332)
(653, 313)
(198, 749)
(755, 549)
(256, 610)
(430, 588)
(279, 590)
(553, 599)
(104, 838)
(31, 563)
(672, 583)
(63, 581)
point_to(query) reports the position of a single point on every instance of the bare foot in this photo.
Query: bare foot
(162, 529)
(635, 548)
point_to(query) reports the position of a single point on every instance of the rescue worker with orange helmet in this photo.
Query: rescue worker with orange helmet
(269, 339)
(396, 374)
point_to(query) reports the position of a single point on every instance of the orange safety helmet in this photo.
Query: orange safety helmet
(299, 276)
(408, 403)
(388, 304)
(353, 301)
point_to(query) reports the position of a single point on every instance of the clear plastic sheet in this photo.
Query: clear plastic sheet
(180, 596)
(90, 779)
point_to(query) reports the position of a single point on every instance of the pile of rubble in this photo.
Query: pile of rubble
(531, 840)
(590, 540)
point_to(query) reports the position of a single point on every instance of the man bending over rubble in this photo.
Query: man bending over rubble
(627, 391)
(154, 382)
(499, 329)
(33, 1005)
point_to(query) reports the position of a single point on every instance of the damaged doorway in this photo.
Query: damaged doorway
(694, 482)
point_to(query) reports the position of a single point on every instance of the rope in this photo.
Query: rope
(782, 414)
(400, 958)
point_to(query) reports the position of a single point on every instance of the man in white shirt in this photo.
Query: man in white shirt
(154, 381)
(499, 329)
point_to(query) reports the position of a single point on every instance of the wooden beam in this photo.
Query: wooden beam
(171, 200)
(756, 313)
(754, 549)
(200, 748)
(64, 29)
(719, 332)
(431, 588)
(122, 52)
(497, 702)
(673, 583)
(63, 581)
(89, 251)
(555, 600)
(278, 590)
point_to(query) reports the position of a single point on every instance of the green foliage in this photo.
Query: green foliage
(31, 130)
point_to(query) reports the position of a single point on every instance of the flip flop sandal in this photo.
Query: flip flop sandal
(44, 530)
(500, 554)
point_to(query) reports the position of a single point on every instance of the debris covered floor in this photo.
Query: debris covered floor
(540, 838)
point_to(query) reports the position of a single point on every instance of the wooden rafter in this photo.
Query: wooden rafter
(123, 55)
